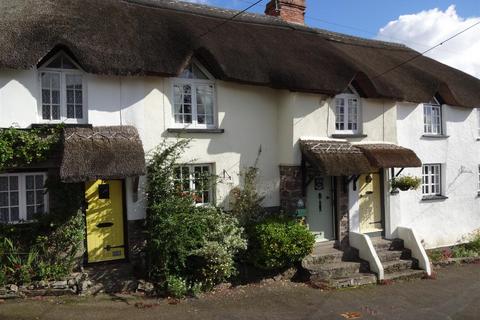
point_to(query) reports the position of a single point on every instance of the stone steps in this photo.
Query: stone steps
(340, 269)
(381, 244)
(353, 280)
(404, 274)
(397, 265)
(390, 255)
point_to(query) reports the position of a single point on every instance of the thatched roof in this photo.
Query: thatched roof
(113, 152)
(385, 155)
(341, 158)
(335, 158)
(158, 37)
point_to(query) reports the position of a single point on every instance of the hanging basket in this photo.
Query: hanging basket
(405, 183)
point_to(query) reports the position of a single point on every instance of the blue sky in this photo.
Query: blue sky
(420, 24)
(365, 17)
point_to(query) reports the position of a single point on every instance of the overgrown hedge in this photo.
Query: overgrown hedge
(189, 248)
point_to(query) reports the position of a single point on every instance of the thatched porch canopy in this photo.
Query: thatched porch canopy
(386, 155)
(113, 152)
(335, 157)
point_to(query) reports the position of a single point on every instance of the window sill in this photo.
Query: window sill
(348, 135)
(434, 198)
(435, 136)
(63, 124)
(198, 130)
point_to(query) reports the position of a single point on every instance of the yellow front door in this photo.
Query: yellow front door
(370, 203)
(105, 225)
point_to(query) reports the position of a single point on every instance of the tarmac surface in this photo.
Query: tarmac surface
(454, 294)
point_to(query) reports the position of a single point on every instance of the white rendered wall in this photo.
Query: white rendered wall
(442, 222)
(247, 113)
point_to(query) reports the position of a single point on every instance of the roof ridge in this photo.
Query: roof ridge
(219, 12)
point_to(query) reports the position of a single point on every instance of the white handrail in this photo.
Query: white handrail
(367, 252)
(410, 241)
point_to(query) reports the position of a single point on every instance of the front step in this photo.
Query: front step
(359, 279)
(332, 268)
(404, 275)
(397, 265)
(340, 269)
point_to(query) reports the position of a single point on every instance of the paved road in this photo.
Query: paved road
(455, 294)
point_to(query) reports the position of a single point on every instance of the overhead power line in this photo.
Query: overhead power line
(426, 51)
(225, 21)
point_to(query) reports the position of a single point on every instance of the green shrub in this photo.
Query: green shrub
(188, 246)
(245, 201)
(278, 243)
(177, 286)
(3, 276)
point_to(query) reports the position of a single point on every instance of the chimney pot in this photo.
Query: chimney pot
(289, 10)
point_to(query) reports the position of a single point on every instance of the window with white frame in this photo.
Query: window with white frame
(194, 98)
(22, 195)
(347, 112)
(478, 122)
(62, 91)
(432, 179)
(432, 117)
(195, 180)
(478, 182)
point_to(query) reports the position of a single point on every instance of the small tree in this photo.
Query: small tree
(245, 201)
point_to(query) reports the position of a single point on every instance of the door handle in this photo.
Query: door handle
(369, 192)
(109, 247)
(104, 224)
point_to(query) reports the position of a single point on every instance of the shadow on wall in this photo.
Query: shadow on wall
(249, 116)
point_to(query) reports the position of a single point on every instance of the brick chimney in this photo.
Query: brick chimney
(289, 10)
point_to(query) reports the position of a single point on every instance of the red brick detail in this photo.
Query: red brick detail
(290, 188)
(289, 10)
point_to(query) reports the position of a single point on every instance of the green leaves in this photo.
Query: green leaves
(189, 247)
(279, 243)
(20, 147)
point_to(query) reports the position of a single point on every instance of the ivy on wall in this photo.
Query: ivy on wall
(49, 247)
(19, 147)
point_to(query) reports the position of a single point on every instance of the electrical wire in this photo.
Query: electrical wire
(424, 52)
(229, 19)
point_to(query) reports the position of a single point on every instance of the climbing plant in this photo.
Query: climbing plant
(48, 247)
(19, 147)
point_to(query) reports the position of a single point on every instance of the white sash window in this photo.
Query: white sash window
(62, 97)
(347, 112)
(194, 98)
(432, 117)
(22, 195)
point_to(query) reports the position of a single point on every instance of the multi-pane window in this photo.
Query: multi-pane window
(347, 113)
(478, 122)
(478, 182)
(35, 194)
(431, 179)
(195, 180)
(22, 195)
(50, 95)
(432, 117)
(62, 96)
(9, 199)
(74, 96)
(194, 98)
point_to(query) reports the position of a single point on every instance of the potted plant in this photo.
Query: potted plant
(405, 183)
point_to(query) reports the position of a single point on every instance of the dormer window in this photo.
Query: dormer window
(347, 112)
(432, 117)
(194, 98)
(62, 91)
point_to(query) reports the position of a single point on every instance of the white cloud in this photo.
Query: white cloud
(425, 29)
